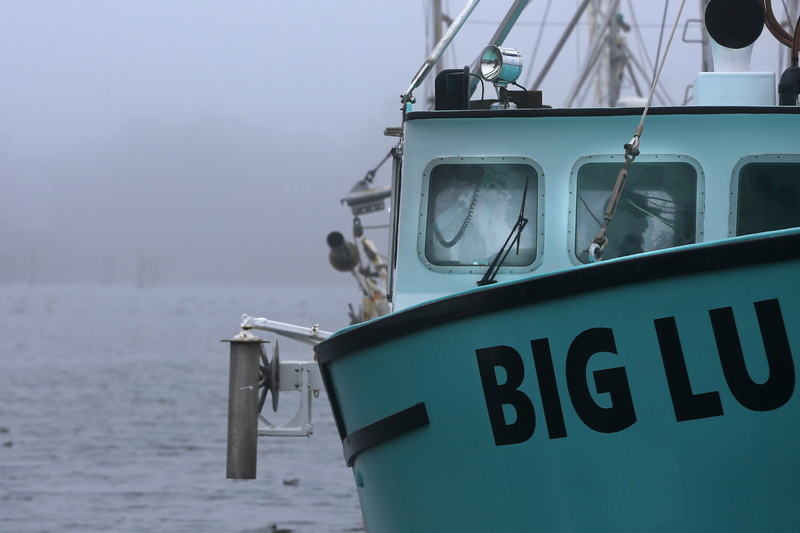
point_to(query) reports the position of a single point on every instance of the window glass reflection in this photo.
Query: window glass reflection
(472, 209)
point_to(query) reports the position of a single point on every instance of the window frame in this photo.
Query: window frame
(533, 225)
(572, 251)
(733, 206)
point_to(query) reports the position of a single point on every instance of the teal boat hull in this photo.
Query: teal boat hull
(650, 393)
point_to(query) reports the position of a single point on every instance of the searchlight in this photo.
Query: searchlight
(500, 66)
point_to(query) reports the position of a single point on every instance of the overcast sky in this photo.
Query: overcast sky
(210, 141)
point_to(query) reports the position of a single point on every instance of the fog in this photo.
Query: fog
(197, 141)
(189, 141)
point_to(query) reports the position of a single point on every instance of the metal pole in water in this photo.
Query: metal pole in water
(243, 408)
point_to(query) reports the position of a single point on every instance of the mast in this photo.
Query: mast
(602, 64)
(596, 63)
(437, 20)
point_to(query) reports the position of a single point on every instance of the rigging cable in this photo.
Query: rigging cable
(648, 62)
(538, 42)
(631, 151)
(661, 34)
(371, 173)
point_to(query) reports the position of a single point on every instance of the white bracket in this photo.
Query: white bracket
(311, 336)
(304, 377)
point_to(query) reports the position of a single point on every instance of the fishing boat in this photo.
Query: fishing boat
(592, 317)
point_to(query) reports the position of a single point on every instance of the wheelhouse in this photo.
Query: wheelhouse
(467, 173)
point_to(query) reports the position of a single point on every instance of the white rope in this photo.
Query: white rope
(631, 151)
(634, 144)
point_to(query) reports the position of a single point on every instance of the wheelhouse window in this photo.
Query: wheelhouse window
(657, 208)
(473, 208)
(768, 196)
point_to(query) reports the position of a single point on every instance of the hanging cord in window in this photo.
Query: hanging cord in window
(631, 151)
(464, 225)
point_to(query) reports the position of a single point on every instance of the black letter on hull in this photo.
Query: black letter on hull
(779, 386)
(612, 380)
(498, 395)
(551, 403)
(687, 405)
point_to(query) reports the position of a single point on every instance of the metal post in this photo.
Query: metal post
(243, 408)
(437, 52)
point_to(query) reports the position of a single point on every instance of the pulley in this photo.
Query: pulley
(269, 378)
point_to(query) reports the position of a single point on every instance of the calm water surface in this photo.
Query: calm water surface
(113, 406)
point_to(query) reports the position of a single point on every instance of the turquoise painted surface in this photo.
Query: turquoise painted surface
(557, 145)
(734, 471)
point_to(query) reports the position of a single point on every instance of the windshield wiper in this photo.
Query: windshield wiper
(514, 236)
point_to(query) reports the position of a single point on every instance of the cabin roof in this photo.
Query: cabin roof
(604, 112)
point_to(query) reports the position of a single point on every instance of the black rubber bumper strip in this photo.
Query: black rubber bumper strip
(384, 429)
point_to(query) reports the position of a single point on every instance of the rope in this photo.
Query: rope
(631, 151)
(661, 34)
(661, 67)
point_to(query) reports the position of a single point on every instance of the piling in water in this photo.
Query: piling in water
(243, 409)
